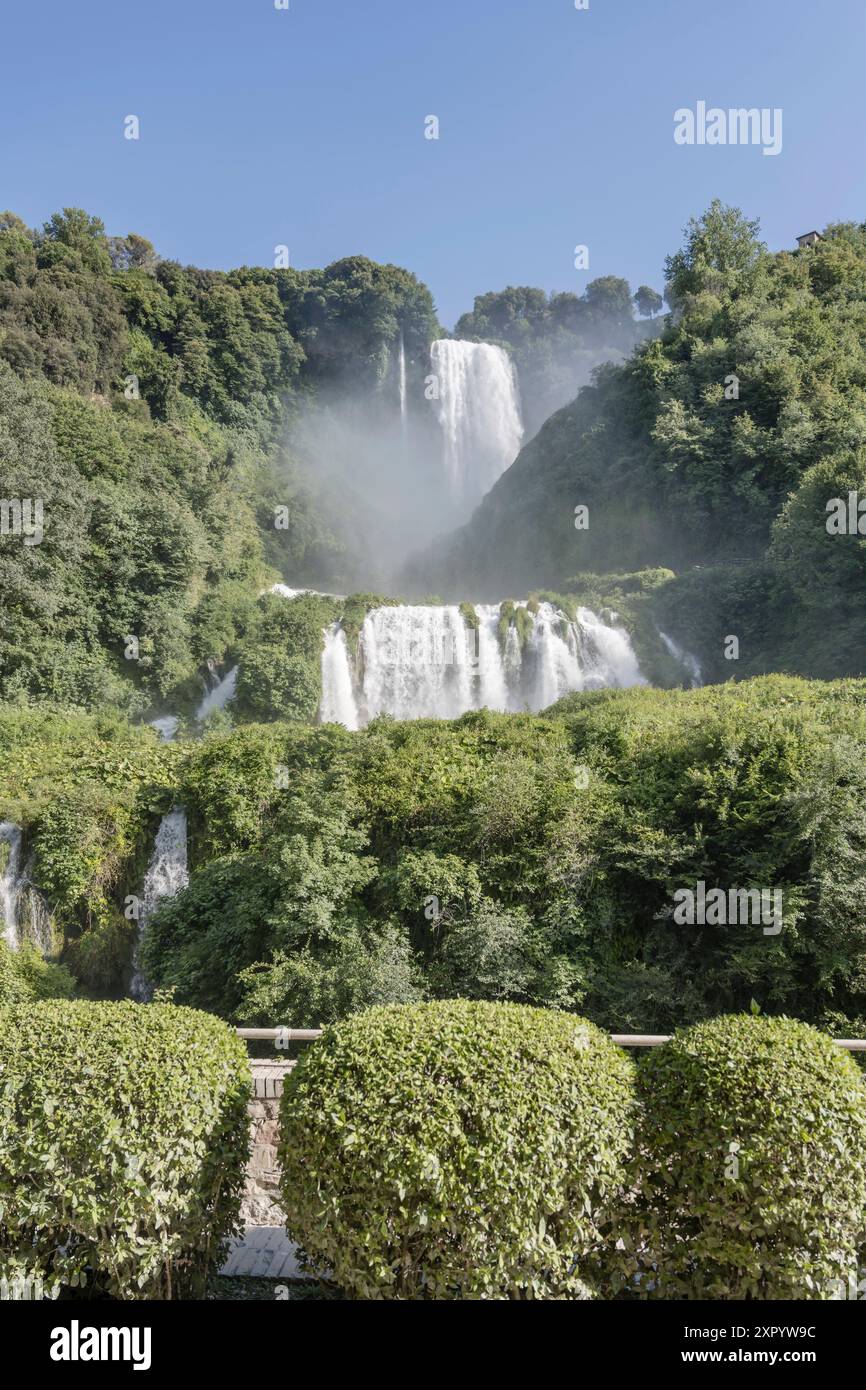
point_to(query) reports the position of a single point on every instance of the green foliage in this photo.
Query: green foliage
(123, 1144)
(26, 976)
(713, 450)
(148, 406)
(473, 846)
(748, 1165)
(455, 1150)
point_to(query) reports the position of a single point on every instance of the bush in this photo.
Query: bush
(25, 974)
(123, 1143)
(749, 1160)
(455, 1150)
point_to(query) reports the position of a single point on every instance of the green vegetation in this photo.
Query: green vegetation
(147, 406)
(455, 1150)
(713, 450)
(748, 1165)
(332, 871)
(123, 1143)
(25, 975)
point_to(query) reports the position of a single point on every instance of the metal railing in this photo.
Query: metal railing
(287, 1035)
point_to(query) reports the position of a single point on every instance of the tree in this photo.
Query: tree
(132, 253)
(648, 301)
(719, 247)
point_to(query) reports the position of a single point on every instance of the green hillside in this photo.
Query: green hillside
(713, 451)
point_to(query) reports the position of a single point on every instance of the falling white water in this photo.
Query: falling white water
(402, 382)
(285, 592)
(422, 661)
(11, 883)
(338, 699)
(479, 414)
(166, 726)
(689, 663)
(219, 696)
(166, 875)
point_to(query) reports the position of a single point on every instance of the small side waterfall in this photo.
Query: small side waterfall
(479, 414)
(11, 883)
(167, 874)
(338, 699)
(689, 663)
(420, 661)
(401, 377)
(24, 913)
(219, 695)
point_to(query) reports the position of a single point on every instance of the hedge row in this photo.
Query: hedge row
(474, 1150)
(123, 1145)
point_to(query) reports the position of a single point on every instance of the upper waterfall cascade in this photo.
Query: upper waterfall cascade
(479, 414)
(420, 661)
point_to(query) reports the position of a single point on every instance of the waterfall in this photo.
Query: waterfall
(219, 695)
(479, 414)
(166, 726)
(338, 700)
(689, 663)
(402, 382)
(11, 883)
(166, 875)
(425, 661)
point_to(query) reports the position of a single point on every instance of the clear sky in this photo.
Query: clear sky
(305, 127)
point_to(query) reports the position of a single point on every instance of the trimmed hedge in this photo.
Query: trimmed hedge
(781, 1214)
(455, 1150)
(123, 1144)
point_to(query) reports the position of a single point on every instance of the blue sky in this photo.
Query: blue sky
(306, 127)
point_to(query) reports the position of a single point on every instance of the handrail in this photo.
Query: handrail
(287, 1035)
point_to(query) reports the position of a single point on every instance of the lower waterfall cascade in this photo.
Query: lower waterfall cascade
(24, 912)
(10, 883)
(167, 873)
(425, 661)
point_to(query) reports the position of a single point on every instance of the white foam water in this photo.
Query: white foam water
(11, 883)
(424, 661)
(479, 414)
(167, 873)
(219, 695)
(338, 700)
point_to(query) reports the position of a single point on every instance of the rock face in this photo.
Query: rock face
(261, 1199)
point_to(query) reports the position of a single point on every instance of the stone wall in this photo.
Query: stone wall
(261, 1198)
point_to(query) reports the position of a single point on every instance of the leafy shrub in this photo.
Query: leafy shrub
(25, 974)
(750, 1172)
(455, 1150)
(123, 1142)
